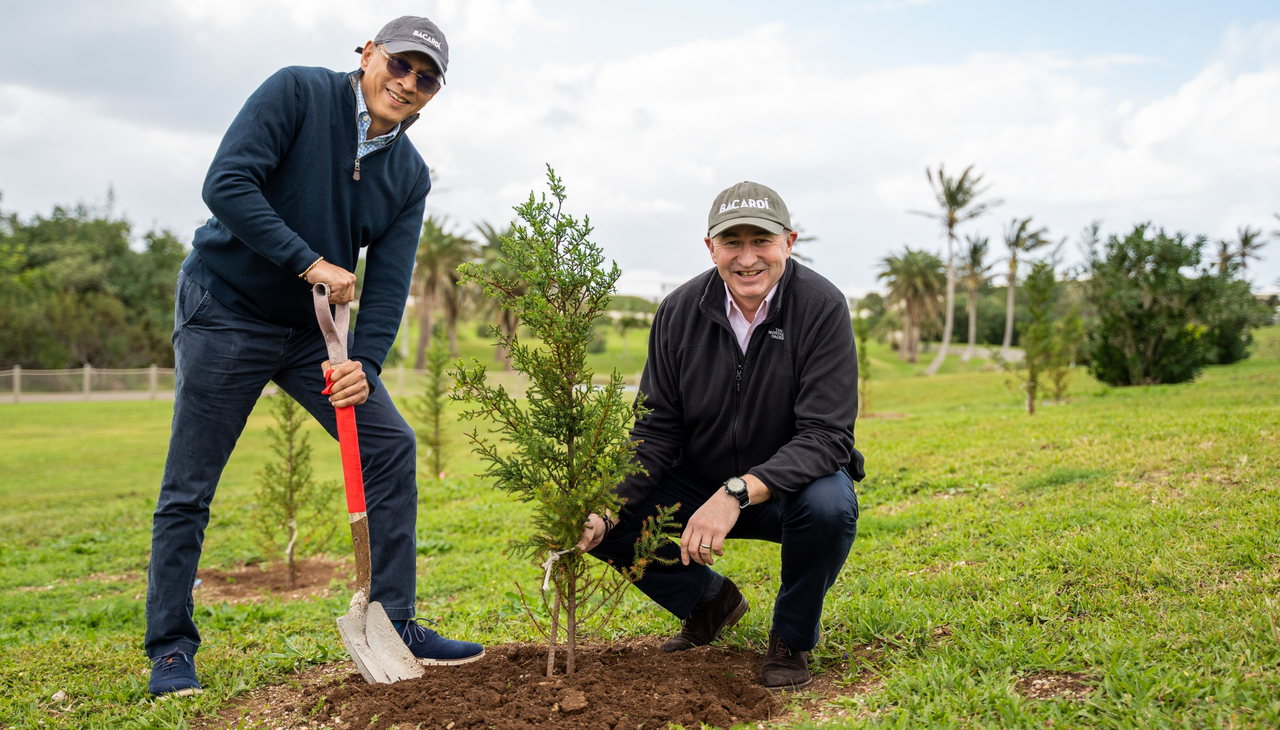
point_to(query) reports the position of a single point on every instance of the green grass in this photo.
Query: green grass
(1129, 535)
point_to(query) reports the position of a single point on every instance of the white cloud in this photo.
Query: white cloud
(644, 142)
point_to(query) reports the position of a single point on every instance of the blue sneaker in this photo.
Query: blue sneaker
(174, 674)
(433, 649)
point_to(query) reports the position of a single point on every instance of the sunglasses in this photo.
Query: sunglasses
(399, 68)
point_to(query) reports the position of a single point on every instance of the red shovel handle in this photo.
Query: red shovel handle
(349, 445)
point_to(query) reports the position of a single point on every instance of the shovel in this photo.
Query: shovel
(378, 651)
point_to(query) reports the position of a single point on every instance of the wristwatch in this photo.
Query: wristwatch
(737, 488)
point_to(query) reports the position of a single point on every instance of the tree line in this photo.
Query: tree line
(1144, 307)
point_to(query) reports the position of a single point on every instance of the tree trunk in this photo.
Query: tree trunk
(453, 304)
(426, 321)
(949, 319)
(571, 628)
(1008, 309)
(972, 308)
(292, 567)
(555, 629)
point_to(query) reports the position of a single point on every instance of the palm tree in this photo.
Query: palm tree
(493, 257)
(958, 200)
(916, 283)
(1249, 242)
(435, 277)
(1019, 240)
(974, 272)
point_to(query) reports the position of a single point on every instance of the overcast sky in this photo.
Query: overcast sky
(1134, 111)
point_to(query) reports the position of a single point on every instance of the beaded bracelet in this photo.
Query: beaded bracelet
(306, 271)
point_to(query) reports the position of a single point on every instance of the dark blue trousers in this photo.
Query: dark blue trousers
(223, 361)
(815, 526)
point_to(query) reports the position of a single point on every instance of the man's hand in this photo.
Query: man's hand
(703, 536)
(342, 283)
(594, 532)
(713, 521)
(350, 384)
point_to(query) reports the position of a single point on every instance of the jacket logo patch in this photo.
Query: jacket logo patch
(776, 333)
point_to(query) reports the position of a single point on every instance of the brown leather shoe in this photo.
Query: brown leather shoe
(784, 667)
(707, 620)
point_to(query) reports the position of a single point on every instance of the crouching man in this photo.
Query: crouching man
(751, 379)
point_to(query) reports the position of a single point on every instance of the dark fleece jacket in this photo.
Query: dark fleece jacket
(783, 412)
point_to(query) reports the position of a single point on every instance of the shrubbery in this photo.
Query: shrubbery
(73, 291)
(1158, 316)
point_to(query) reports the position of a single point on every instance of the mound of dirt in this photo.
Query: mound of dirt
(617, 687)
(256, 582)
(1051, 685)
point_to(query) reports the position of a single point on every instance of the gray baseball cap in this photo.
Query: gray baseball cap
(748, 203)
(410, 33)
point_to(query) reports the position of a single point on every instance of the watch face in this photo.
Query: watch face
(735, 485)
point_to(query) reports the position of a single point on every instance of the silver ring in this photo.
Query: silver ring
(705, 546)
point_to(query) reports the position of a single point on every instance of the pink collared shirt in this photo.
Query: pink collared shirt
(742, 329)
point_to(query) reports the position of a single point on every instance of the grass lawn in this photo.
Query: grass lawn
(1129, 538)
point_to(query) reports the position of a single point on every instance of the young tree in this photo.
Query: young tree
(293, 510)
(1037, 335)
(958, 202)
(1020, 241)
(429, 410)
(974, 272)
(569, 446)
(862, 333)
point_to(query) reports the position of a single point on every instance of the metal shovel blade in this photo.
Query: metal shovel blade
(377, 650)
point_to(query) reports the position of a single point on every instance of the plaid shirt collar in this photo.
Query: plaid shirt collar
(363, 121)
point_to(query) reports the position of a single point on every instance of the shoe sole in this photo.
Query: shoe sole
(790, 687)
(188, 692)
(450, 662)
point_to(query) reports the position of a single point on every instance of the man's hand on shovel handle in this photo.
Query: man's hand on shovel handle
(350, 384)
(342, 283)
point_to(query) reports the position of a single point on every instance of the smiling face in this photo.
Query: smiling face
(750, 260)
(392, 100)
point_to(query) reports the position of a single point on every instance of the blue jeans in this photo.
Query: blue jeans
(223, 361)
(815, 526)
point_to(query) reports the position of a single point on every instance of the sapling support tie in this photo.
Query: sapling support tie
(550, 563)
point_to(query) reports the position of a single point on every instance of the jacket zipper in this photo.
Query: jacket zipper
(737, 408)
(404, 127)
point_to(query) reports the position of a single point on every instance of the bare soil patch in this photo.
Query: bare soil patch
(616, 687)
(254, 583)
(1051, 685)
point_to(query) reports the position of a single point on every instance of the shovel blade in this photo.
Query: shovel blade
(375, 647)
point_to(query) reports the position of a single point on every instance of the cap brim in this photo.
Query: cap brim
(773, 227)
(409, 46)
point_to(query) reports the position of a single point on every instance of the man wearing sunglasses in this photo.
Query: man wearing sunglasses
(313, 169)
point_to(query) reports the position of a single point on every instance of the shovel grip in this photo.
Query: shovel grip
(349, 444)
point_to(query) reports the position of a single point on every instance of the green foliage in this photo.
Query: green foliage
(73, 291)
(1049, 344)
(1154, 322)
(862, 334)
(569, 446)
(916, 282)
(294, 515)
(429, 410)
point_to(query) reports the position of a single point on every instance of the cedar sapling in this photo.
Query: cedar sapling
(429, 410)
(568, 445)
(862, 333)
(292, 508)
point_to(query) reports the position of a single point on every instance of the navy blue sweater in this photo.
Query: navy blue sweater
(282, 194)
